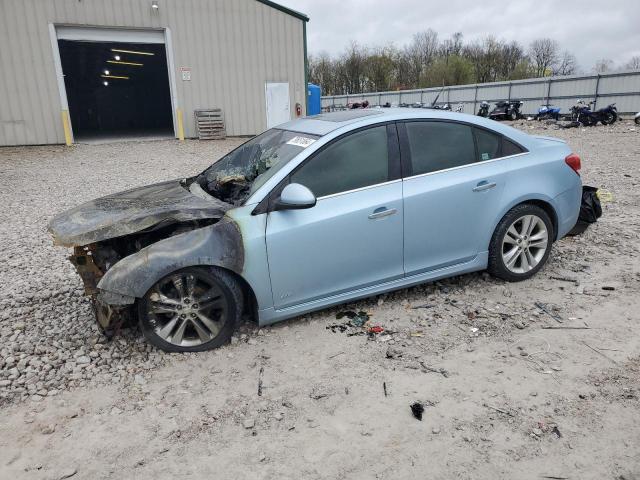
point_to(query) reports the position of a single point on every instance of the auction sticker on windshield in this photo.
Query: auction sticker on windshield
(303, 142)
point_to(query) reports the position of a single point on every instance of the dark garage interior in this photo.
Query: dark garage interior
(116, 90)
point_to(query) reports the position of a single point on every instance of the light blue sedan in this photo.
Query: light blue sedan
(320, 211)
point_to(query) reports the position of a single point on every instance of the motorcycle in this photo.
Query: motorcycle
(483, 111)
(637, 118)
(548, 112)
(581, 112)
(353, 106)
(506, 110)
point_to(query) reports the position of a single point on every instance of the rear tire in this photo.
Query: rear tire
(191, 310)
(521, 243)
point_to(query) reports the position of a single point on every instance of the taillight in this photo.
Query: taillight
(573, 161)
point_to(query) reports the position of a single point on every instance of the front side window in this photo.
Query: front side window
(437, 146)
(359, 160)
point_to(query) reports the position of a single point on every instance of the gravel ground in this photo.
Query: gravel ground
(507, 394)
(48, 339)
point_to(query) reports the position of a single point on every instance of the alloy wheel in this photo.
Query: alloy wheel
(187, 309)
(524, 244)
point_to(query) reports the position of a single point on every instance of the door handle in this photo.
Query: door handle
(382, 212)
(484, 185)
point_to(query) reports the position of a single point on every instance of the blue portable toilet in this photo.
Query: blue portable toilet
(313, 105)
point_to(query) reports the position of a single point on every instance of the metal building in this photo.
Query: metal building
(84, 68)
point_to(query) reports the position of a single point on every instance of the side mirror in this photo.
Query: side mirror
(295, 197)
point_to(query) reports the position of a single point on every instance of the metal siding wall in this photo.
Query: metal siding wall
(529, 90)
(564, 93)
(580, 88)
(232, 46)
(384, 98)
(30, 111)
(624, 103)
(493, 92)
(462, 95)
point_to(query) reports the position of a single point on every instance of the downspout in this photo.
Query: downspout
(306, 69)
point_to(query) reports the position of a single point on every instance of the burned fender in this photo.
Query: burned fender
(215, 245)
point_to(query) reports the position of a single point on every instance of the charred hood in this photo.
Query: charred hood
(132, 211)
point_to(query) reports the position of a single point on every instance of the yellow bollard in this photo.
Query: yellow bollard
(180, 125)
(66, 126)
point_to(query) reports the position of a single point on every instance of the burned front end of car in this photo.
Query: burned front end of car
(114, 310)
(91, 264)
(112, 229)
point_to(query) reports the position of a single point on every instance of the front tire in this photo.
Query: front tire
(513, 115)
(191, 310)
(521, 243)
(609, 119)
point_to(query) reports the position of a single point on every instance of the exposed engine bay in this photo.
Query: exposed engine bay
(94, 260)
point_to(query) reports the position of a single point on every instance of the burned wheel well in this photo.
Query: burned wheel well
(249, 297)
(250, 301)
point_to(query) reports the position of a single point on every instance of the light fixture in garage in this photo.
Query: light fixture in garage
(133, 52)
(117, 57)
(154, 5)
(120, 77)
(106, 72)
(125, 63)
(105, 83)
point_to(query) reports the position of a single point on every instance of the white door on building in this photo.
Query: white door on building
(278, 107)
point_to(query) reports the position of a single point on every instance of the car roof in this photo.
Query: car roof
(326, 123)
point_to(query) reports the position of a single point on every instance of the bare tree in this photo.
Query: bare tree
(512, 55)
(427, 62)
(544, 55)
(488, 58)
(633, 64)
(353, 63)
(451, 46)
(421, 53)
(603, 65)
(567, 65)
(322, 71)
(379, 69)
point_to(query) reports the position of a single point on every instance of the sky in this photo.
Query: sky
(590, 29)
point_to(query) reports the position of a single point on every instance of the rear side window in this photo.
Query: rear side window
(358, 160)
(510, 148)
(488, 145)
(439, 145)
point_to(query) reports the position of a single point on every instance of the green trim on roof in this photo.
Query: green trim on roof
(284, 9)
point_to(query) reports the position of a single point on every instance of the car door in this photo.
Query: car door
(352, 237)
(452, 190)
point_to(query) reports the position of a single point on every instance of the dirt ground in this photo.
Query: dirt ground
(510, 389)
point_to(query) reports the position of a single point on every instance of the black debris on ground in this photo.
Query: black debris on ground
(417, 409)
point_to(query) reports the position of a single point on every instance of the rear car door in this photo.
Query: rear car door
(452, 190)
(352, 237)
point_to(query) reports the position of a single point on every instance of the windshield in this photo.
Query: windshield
(236, 176)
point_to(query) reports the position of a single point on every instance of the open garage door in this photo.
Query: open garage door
(117, 83)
